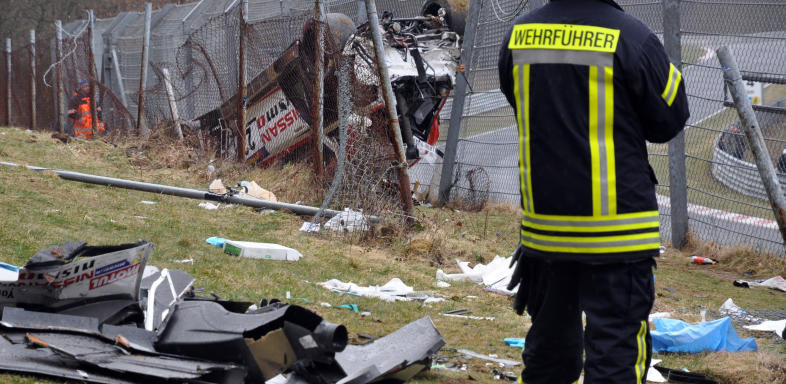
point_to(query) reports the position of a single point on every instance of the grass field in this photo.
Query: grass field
(39, 209)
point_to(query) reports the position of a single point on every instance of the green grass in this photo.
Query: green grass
(40, 209)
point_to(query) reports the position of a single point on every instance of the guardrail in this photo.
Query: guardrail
(738, 174)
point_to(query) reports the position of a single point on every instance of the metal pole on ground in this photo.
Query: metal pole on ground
(33, 122)
(61, 115)
(91, 66)
(9, 94)
(457, 110)
(678, 182)
(317, 105)
(241, 90)
(141, 128)
(733, 79)
(390, 101)
(172, 104)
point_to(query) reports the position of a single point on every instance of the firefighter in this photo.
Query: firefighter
(589, 85)
(79, 112)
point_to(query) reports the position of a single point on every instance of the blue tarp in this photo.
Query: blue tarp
(678, 336)
(217, 241)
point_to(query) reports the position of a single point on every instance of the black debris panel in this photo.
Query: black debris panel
(205, 329)
(93, 351)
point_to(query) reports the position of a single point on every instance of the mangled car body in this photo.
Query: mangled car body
(421, 53)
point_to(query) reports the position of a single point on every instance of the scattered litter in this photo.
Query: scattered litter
(515, 342)
(662, 249)
(217, 186)
(266, 251)
(393, 290)
(184, 261)
(217, 241)
(653, 375)
(141, 217)
(728, 308)
(147, 202)
(507, 376)
(777, 326)
(351, 307)
(432, 300)
(442, 284)
(469, 317)
(672, 335)
(681, 376)
(458, 312)
(506, 363)
(208, 206)
(495, 275)
(660, 315)
(348, 221)
(702, 260)
(253, 189)
(309, 227)
(776, 282)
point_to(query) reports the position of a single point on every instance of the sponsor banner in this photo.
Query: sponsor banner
(274, 126)
(115, 273)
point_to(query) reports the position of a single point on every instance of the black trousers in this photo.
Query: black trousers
(616, 298)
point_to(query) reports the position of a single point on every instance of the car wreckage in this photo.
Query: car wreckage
(100, 314)
(421, 54)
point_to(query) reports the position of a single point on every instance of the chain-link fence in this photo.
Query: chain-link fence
(726, 203)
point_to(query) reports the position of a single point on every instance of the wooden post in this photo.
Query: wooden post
(241, 90)
(141, 129)
(9, 94)
(33, 122)
(61, 112)
(317, 108)
(172, 104)
(91, 67)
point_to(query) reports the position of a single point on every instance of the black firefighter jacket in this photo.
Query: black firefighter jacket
(590, 85)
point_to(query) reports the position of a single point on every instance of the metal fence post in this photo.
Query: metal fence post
(733, 79)
(390, 101)
(141, 128)
(60, 92)
(241, 91)
(459, 96)
(317, 113)
(33, 122)
(678, 183)
(91, 67)
(9, 94)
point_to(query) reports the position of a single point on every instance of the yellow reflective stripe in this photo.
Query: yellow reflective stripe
(593, 140)
(672, 85)
(579, 219)
(641, 343)
(593, 245)
(521, 381)
(564, 37)
(603, 228)
(521, 90)
(611, 173)
(676, 86)
(527, 137)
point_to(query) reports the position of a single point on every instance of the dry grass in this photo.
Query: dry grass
(765, 367)
(739, 259)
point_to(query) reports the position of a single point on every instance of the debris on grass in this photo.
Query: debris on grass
(728, 308)
(777, 282)
(265, 251)
(515, 342)
(348, 221)
(672, 335)
(702, 260)
(503, 362)
(777, 326)
(495, 275)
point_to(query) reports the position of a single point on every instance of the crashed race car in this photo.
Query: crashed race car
(421, 54)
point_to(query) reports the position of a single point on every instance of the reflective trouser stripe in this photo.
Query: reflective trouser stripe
(641, 343)
(521, 85)
(521, 381)
(673, 83)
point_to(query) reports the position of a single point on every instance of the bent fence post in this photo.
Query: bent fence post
(8, 94)
(390, 101)
(457, 110)
(91, 67)
(172, 104)
(678, 183)
(750, 124)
